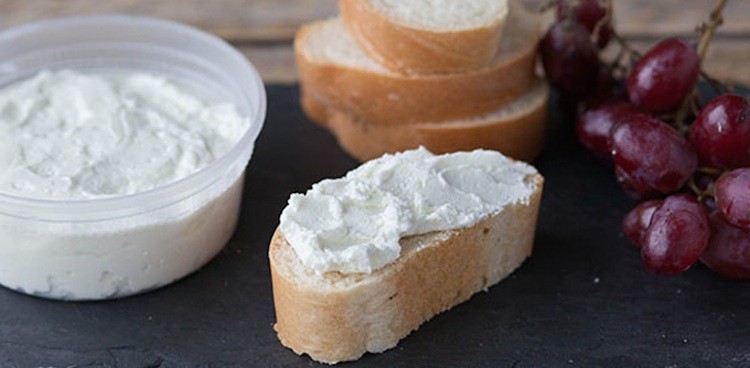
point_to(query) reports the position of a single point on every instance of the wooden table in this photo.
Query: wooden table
(264, 29)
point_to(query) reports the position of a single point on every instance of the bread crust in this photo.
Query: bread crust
(519, 136)
(371, 313)
(417, 51)
(394, 99)
(315, 110)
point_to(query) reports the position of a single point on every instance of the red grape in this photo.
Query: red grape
(570, 59)
(594, 126)
(721, 132)
(728, 251)
(650, 157)
(634, 188)
(664, 76)
(595, 15)
(733, 197)
(678, 234)
(636, 222)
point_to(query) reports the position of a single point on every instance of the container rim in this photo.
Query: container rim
(162, 196)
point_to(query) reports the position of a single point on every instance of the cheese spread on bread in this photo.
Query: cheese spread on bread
(353, 224)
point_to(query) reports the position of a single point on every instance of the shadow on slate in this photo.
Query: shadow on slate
(583, 299)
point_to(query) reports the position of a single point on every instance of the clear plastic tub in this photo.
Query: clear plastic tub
(114, 247)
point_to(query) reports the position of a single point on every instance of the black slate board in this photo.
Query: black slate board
(583, 299)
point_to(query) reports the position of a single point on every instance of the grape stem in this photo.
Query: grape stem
(694, 188)
(709, 192)
(701, 194)
(607, 19)
(624, 45)
(547, 6)
(708, 30)
(710, 171)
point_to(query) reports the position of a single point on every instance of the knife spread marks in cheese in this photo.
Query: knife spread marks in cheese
(353, 224)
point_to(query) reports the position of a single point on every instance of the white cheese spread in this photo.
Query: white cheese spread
(69, 135)
(353, 224)
(88, 137)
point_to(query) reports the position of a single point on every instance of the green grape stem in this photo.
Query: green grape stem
(708, 30)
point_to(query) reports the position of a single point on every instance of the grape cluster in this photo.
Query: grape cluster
(688, 162)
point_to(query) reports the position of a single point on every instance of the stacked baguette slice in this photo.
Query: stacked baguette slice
(426, 37)
(388, 76)
(391, 75)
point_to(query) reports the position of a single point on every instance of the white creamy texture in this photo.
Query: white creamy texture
(70, 135)
(444, 15)
(353, 224)
(73, 135)
(115, 258)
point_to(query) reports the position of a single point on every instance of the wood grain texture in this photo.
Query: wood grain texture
(263, 29)
(727, 59)
(657, 18)
(235, 20)
(275, 63)
(276, 20)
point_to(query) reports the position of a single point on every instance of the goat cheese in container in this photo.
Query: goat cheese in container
(123, 153)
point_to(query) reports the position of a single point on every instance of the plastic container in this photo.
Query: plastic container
(114, 247)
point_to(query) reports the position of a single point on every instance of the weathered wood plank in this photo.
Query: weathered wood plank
(649, 18)
(245, 20)
(274, 63)
(257, 25)
(276, 20)
(727, 60)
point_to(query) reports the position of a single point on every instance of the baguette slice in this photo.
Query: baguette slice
(427, 36)
(315, 109)
(331, 63)
(335, 317)
(517, 130)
